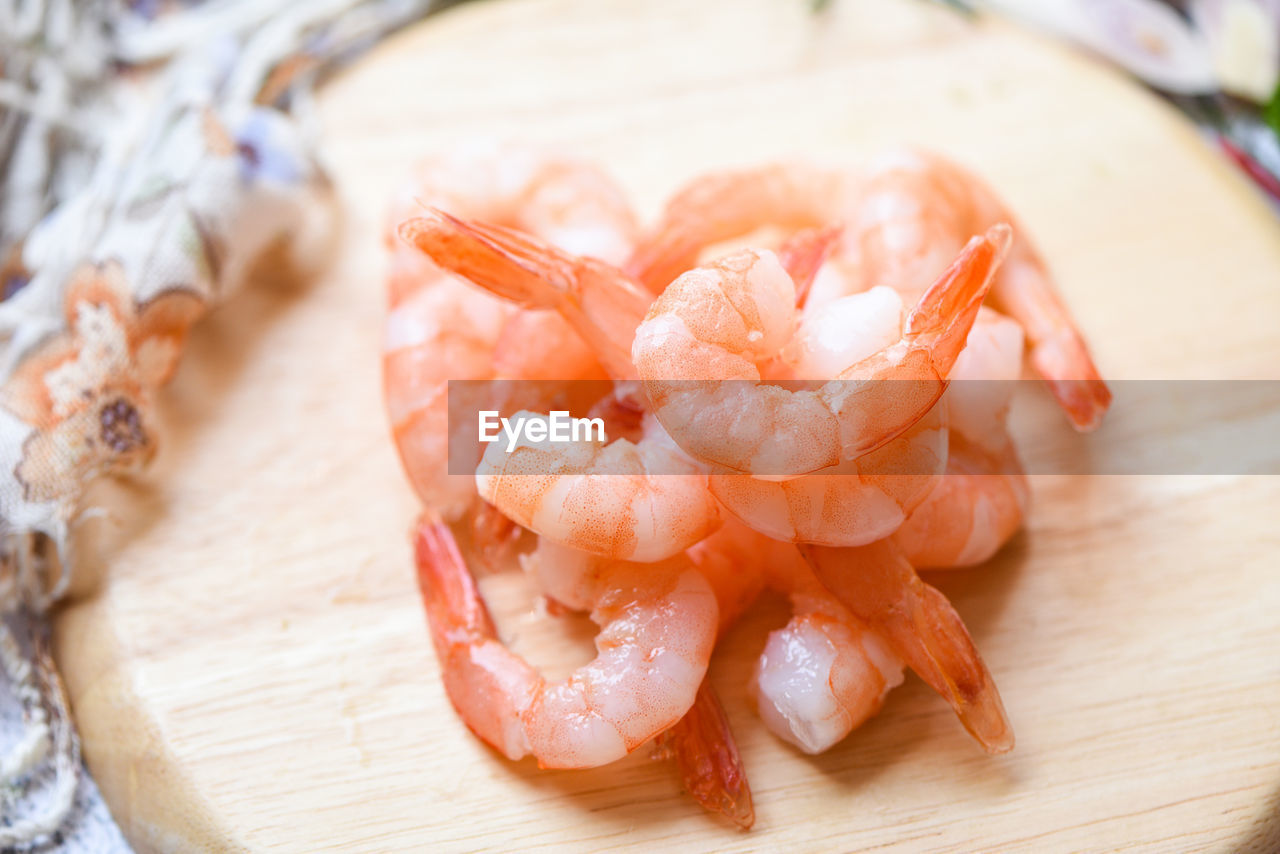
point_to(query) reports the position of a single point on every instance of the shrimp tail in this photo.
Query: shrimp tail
(942, 319)
(449, 592)
(1084, 399)
(933, 334)
(500, 260)
(879, 586)
(597, 299)
(804, 253)
(707, 755)
(1058, 351)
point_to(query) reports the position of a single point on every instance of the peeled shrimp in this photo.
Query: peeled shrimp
(979, 504)
(657, 626)
(881, 588)
(724, 205)
(641, 501)
(972, 511)
(903, 220)
(825, 672)
(701, 742)
(439, 328)
(452, 331)
(700, 350)
(815, 393)
(914, 209)
(446, 331)
(852, 504)
(596, 298)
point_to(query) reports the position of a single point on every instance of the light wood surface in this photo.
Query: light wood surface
(252, 670)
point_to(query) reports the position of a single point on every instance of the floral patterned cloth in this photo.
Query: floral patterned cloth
(153, 152)
(214, 191)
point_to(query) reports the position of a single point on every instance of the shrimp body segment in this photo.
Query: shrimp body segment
(825, 672)
(439, 328)
(913, 208)
(979, 503)
(657, 627)
(820, 677)
(435, 334)
(640, 501)
(852, 504)
(700, 350)
(972, 511)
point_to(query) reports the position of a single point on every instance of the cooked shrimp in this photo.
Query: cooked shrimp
(979, 503)
(641, 501)
(724, 205)
(881, 588)
(904, 219)
(657, 626)
(915, 210)
(597, 299)
(852, 504)
(825, 672)
(701, 742)
(440, 329)
(972, 511)
(435, 334)
(451, 331)
(700, 350)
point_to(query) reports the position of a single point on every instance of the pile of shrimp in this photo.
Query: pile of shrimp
(508, 263)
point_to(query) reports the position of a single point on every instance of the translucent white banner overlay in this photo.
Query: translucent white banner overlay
(1152, 427)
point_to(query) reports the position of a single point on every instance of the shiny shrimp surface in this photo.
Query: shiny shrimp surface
(817, 417)
(904, 216)
(701, 347)
(657, 626)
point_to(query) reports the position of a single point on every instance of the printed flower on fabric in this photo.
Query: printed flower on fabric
(87, 391)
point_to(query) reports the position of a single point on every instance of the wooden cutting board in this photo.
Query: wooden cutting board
(252, 670)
